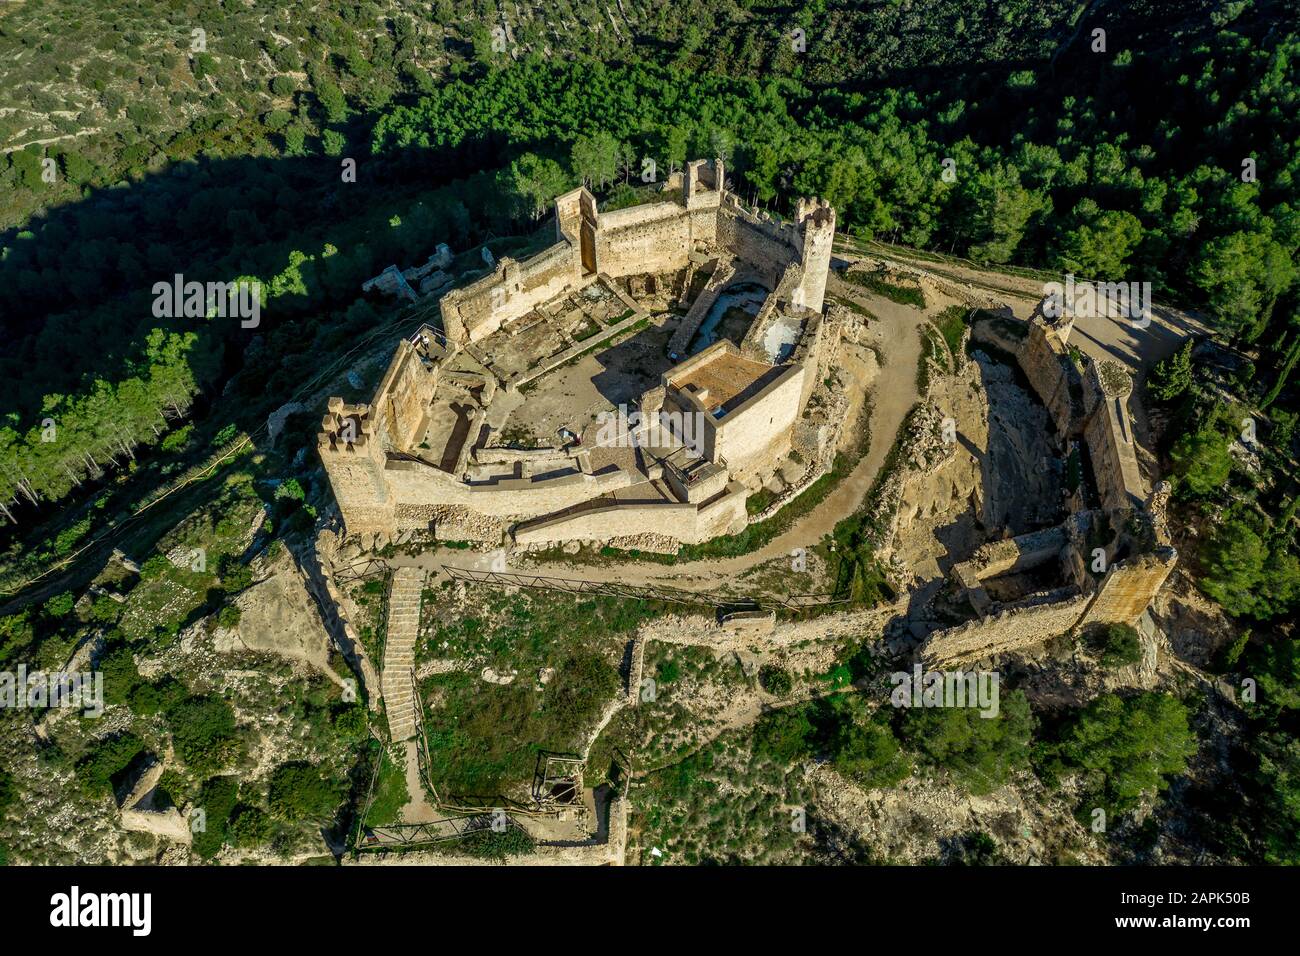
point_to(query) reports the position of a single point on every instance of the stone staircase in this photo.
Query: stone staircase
(399, 651)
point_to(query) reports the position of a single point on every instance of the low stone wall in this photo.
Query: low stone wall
(512, 290)
(690, 324)
(579, 348)
(415, 483)
(1013, 554)
(1121, 597)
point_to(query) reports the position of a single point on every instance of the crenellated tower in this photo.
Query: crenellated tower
(354, 461)
(814, 237)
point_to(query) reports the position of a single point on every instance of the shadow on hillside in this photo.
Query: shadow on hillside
(77, 304)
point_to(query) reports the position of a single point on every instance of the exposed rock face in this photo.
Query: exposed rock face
(1021, 474)
(998, 469)
(141, 816)
(278, 616)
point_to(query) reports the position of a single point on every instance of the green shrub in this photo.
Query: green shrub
(175, 441)
(217, 798)
(70, 537)
(120, 673)
(486, 842)
(862, 744)
(301, 792)
(981, 753)
(775, 680)
(1124, 747)
(16, 634)
(8, 792)
(249, 827)
(147, 699)
(351, 721)
(1172, 376)
(784, 736)
(1118, 644)
(60, 605)
(106, 759)
(234, 574)
(203, 733)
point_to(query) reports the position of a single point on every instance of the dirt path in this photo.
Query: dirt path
(1099, 336)
(418, 809)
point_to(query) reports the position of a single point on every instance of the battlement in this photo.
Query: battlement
(813, 213)
(345, 429)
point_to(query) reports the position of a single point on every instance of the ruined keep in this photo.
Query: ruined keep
(1109, 559)
(431, 452)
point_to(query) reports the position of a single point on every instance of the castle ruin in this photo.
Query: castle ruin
(1107, 561)
(635, 381)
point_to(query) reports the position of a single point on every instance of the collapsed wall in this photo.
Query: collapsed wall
(1124, 592)
(1109, 434)
(1016, 628)
(1114, 581)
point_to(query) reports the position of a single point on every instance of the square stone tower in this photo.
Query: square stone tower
(814, 236)
(354, 461)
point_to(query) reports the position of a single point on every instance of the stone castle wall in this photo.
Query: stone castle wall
(1128, 588)
(657, 237)
(511, 290)
(766, 248)
(1111, 442)
(383, 485)
(1017, 628)
(403, 397)
(1045, 361)
(758, 432)
(414, 482)
(685, 522)
(1121, 597)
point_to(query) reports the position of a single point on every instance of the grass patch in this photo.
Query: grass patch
(856, 570)
(484, 738)
(951, 323)
(390, 792)
(889, 289)
(759, 501)
(371, 599)
(855, 307)
(587, 331)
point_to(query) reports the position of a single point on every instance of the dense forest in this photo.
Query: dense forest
(1176, 169)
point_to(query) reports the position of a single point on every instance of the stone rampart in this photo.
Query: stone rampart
(685, 522)
(1012, 629)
